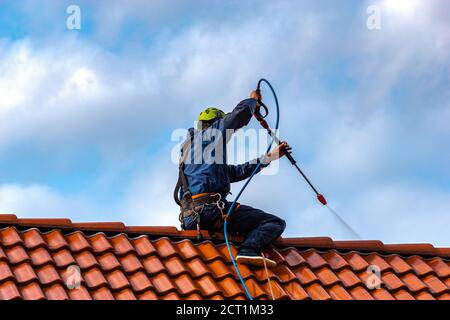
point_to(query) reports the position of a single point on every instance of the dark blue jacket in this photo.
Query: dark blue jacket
(204, 175)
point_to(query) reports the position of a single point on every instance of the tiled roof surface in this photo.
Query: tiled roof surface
(120, 262)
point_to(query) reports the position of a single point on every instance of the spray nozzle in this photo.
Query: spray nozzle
(322, 199)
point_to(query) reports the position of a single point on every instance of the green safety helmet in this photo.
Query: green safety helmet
(211, 114)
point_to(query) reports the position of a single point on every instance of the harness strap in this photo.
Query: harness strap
(182, 180)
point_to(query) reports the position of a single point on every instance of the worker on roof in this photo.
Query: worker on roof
(203, 185)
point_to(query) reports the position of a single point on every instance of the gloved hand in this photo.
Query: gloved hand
(279, 151)
(255, 94)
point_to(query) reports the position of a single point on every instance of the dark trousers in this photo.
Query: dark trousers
(260, 228)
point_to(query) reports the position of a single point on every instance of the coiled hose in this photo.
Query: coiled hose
(233, 205)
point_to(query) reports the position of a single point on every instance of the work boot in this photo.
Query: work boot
(251, 257)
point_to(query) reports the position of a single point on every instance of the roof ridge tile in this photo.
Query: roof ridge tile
(45, 222)
(100, 226)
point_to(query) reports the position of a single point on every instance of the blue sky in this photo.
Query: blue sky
(87, 115)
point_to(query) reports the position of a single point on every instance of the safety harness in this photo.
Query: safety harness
(193, 205)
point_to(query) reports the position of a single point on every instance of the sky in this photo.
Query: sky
(86, 116)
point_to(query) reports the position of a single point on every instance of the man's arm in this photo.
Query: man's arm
(242, 113)
(243, 171)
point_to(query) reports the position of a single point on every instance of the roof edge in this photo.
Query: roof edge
(423, 249)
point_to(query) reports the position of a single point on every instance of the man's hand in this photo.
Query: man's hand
(278, 151)
(255, 94)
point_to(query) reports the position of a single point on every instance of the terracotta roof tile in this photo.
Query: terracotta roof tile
(305, 275)
(45, 223)
(348, 278)
(153, 265)
(171, 296)
(143, 246)
(375, 259)
(165, 248)
(314, 259)
(381, 294)
(292, 257)
(33, 239)
(125, 294)
(435, 285)
(32, 291)
(424, 296)
(185, 285)
(187, 250)
(63, 258)
(100, 226)
(24, 273)
(413, 282)
(164, 263)
(140, 281)
(317, 292)
(121, 244)
(210, 287)
(56, 292)
(94, 278)
(80, 293)
(175, 266)
(5, 271)
(162, 283)
(148, 295)
(40, 256)
(327, 277)
(117, 280)
(10, 237)
(296, 291)
(391, 281)
(77, 242)
(85, 260)
(445, 296)
(197, 267)
(229, 287)
(220, 270)
(209, 252)
(108, 261)
(403, 295)
(337, 292)
(335, 260)
(131, 263)
(420, 267)
(55, 240)
(100, 243)
(48, 275)
(17, 254)
(102, 293)
(256, 291)
(9, 291)
(441, 267)
(398, 264)
(361, 293)
(356, 261)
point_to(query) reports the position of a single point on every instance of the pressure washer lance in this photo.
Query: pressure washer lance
(287, 153)
(289, 156)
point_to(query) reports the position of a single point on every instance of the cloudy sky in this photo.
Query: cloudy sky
(86, 116)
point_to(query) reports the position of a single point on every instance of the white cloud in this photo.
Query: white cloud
(42, 202)
(149, 200)
(348, 139)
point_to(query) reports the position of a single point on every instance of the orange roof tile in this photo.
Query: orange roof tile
(121, 262)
